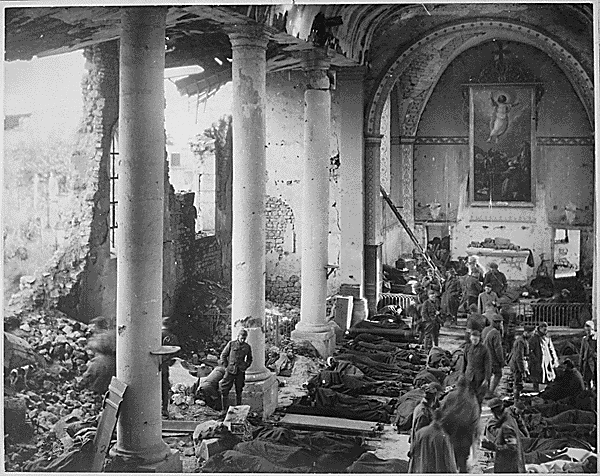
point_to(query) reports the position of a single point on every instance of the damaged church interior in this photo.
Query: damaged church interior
(382, 261)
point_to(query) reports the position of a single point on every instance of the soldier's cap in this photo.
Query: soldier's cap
(529, 328)
(243, 332)
(487, 285)
(495, 403)
(493, 265)
(476, 332)
(473, 307)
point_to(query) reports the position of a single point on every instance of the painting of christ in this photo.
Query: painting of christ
(501, 139)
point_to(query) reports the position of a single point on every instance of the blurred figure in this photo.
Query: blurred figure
(587, 356)
(423, 412)
(542, 357)
(475, 321)
(460, 419)
(506, 444)
(432, 451)
(475, 268)
(103, 366)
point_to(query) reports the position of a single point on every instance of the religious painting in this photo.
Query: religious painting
(502, 135)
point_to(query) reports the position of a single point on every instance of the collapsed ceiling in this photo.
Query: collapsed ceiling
(197, 34)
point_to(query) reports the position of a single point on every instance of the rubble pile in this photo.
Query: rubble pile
(47, 393)
(204, 318)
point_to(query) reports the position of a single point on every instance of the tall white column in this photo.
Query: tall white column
(372, 210)
(350, 90)
(249, 46)
(315, 207)
(140, 241)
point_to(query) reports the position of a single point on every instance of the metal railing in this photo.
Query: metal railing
(555, 314)
(399, 299)
(277, 326)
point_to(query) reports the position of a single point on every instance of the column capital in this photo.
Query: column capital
(354, 73)
(373, 138)
(316, 63)
(254, 36)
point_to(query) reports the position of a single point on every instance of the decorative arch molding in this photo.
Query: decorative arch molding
(418, 68)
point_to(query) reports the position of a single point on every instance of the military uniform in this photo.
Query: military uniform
(236, 358)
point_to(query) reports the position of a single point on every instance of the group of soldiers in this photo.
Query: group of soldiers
(478, 288)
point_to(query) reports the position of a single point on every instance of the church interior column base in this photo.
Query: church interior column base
(261, 395)
(324, 342)
(171, 464)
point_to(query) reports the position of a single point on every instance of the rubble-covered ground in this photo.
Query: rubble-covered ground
(48, 412)
(47, 394)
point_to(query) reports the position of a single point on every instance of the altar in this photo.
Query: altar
(512, 263)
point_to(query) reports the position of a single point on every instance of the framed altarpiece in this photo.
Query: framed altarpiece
(502, 129)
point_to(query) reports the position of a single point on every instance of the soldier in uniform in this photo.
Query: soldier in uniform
(236, 358)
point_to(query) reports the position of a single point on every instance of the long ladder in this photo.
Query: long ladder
(412, 236)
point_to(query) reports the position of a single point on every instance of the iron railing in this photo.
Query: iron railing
(277, 327)
(555, 314)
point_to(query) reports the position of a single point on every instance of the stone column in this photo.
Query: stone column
(372, 220)
(350, 90)
(140, 242)
(249, 46)
(315, 207)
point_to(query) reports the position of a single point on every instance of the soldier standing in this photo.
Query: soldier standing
(236, 358)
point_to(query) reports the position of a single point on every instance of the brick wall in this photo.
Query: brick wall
(207, 263)
(280, 226)
(283, 291)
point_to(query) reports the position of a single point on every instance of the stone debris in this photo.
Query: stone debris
(44, 401)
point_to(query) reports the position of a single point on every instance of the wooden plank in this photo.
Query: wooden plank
(180, 426)
(328, 423)
(107, 423)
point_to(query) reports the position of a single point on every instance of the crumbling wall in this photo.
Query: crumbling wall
(207, 259)
(80, 280)
(285, 172)
(75, 278)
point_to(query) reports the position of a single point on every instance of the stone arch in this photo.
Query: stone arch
(418, 68)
